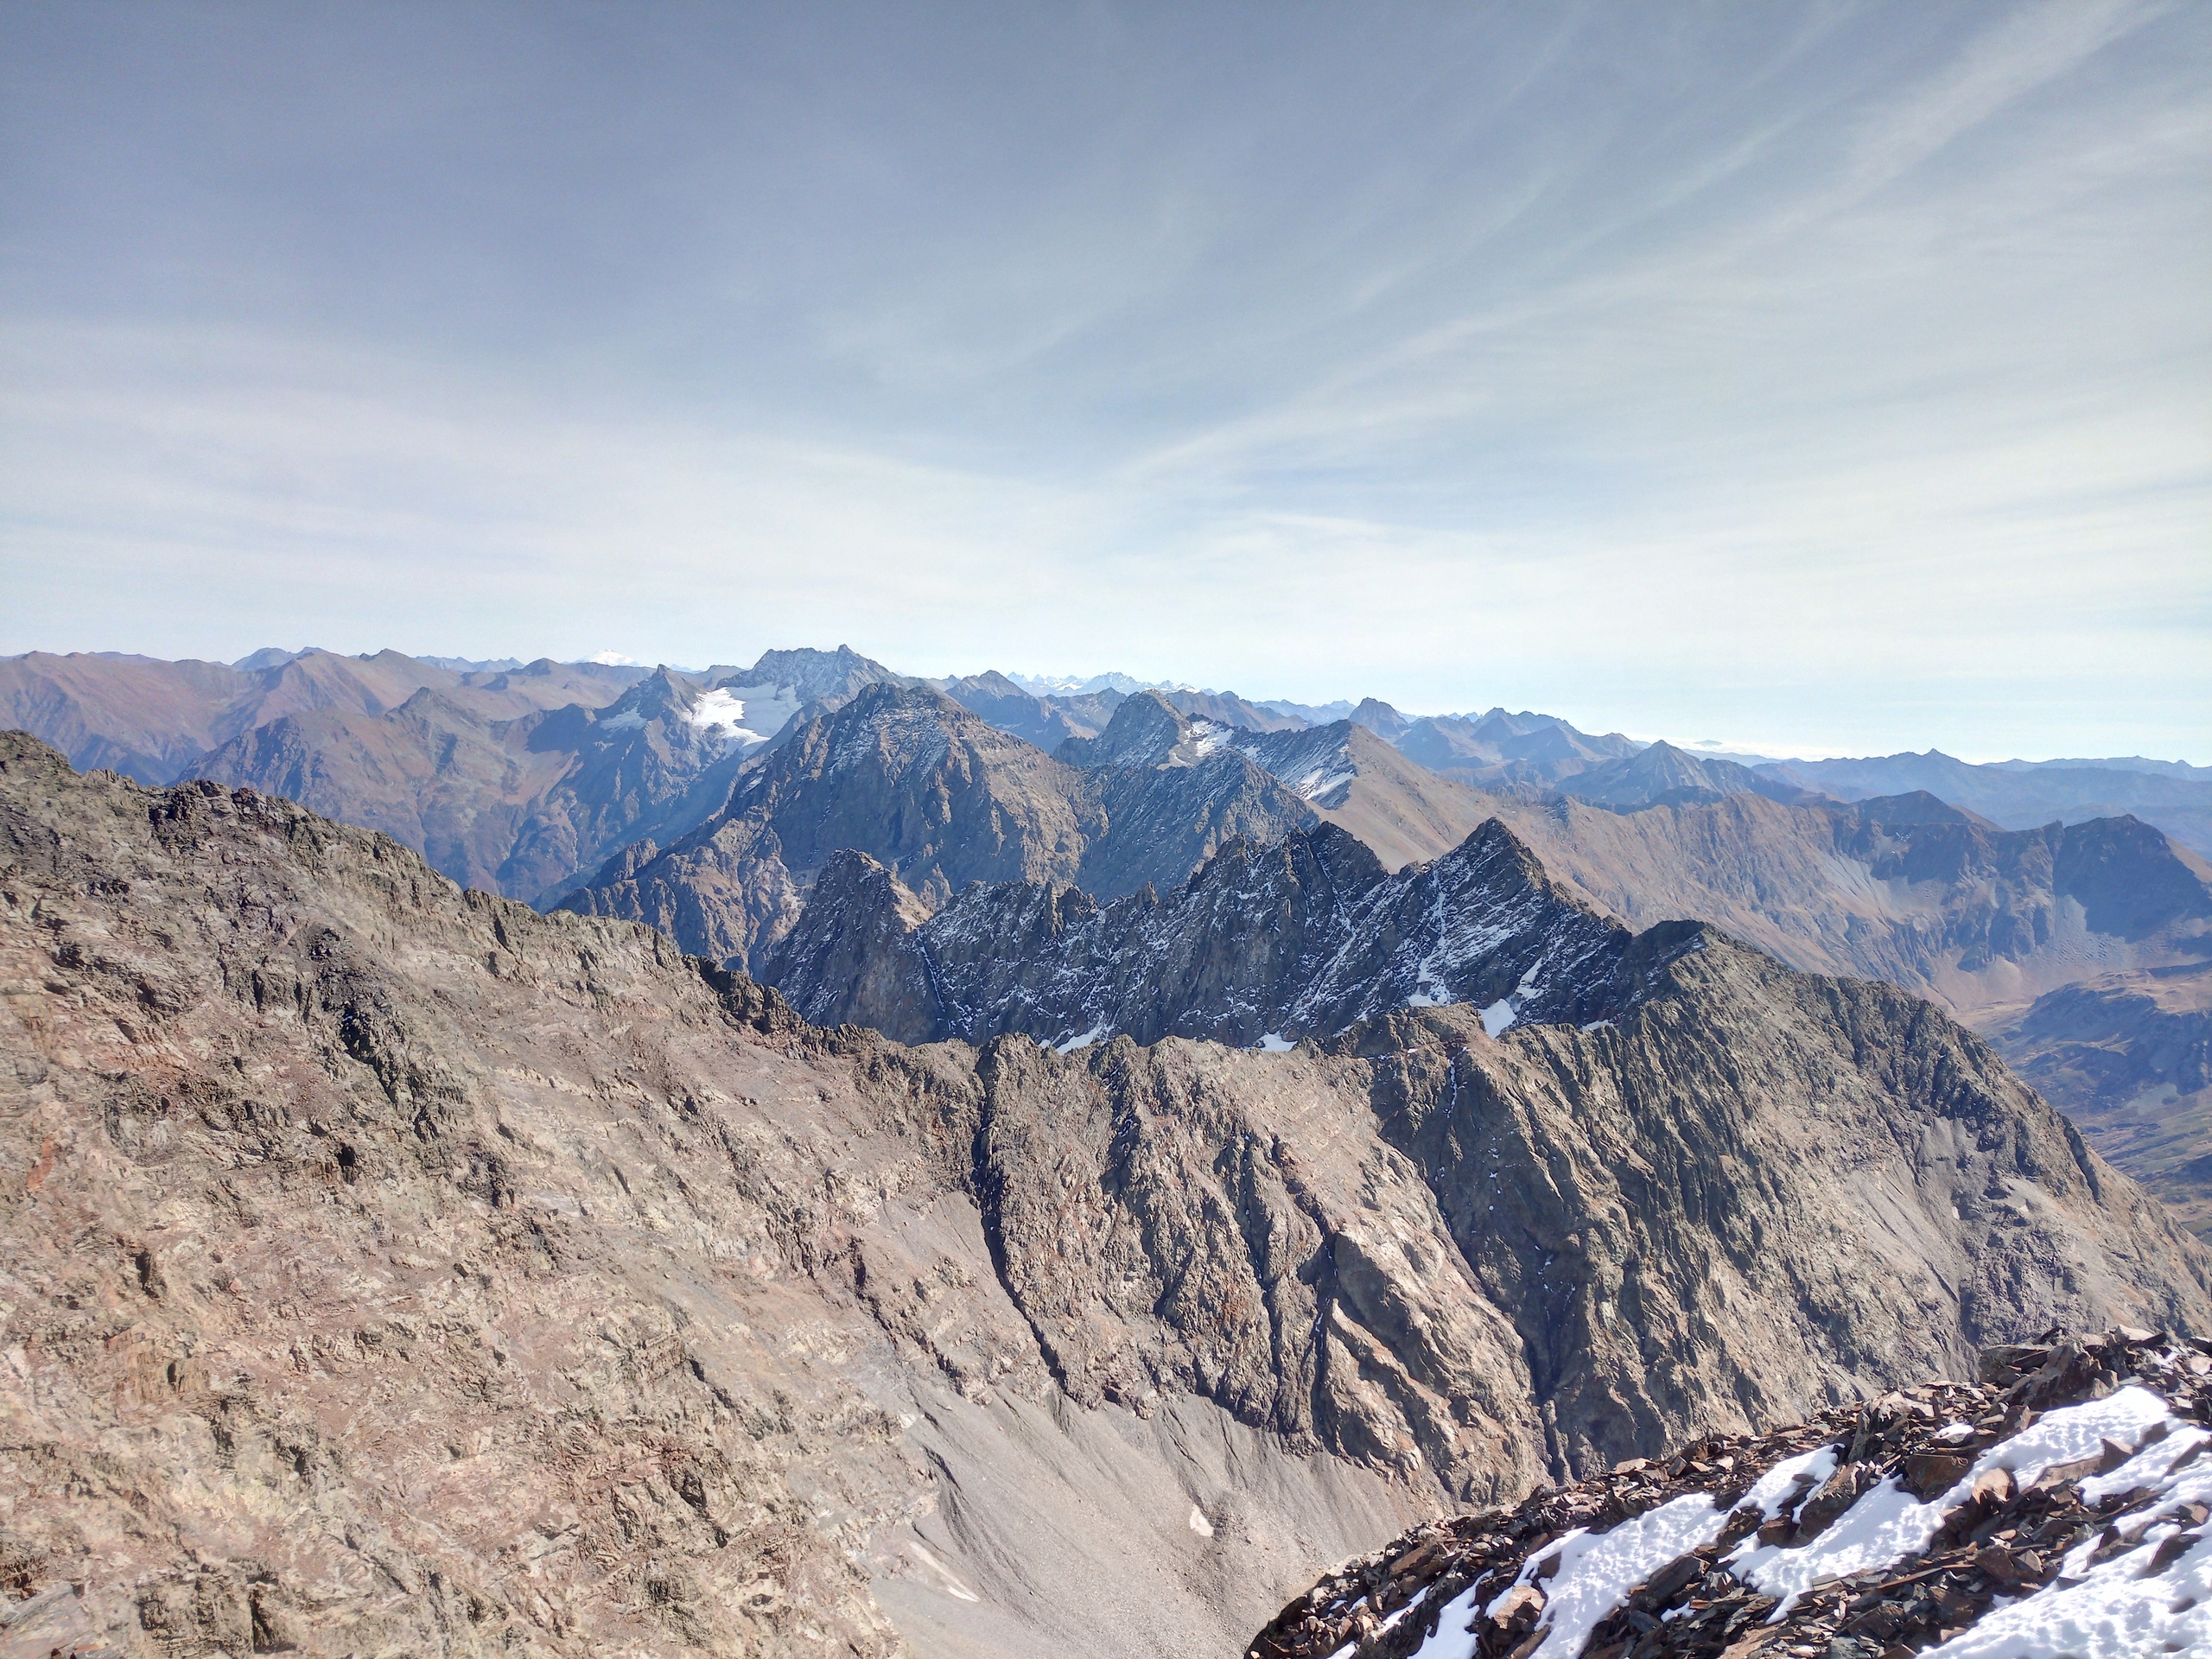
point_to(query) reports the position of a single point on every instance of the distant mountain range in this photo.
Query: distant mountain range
(515, 779)
(710, 802)
(2020, 795)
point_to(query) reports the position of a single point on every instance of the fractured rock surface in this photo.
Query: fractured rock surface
(1306, 938)
(389, 1266)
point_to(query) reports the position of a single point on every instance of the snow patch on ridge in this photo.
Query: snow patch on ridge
(723, 710)
(2131, 1604)
(1595, 1574)
(1887, 1524)
(1207, 736)
(2128, 1605)
(1069, 1044)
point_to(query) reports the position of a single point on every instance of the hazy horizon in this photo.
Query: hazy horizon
(1829, 379)
(1723, 748)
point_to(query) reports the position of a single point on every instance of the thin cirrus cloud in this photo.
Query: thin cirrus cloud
(1833, 377)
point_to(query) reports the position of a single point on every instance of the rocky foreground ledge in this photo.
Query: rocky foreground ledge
(2056, 1506)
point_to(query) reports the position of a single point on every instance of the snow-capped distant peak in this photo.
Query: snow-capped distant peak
(1073, 686)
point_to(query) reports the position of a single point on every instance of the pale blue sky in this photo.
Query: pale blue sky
(1823, 377)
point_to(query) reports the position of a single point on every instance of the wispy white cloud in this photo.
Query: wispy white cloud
(2019, 54)
(1841, 371)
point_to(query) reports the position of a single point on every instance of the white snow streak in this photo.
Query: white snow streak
(1789, 1482)
(1318, 782)
(1596, 1572)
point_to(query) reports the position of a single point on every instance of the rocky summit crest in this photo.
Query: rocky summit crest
(1306, 937)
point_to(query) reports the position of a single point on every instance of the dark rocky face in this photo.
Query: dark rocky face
(1306, 938)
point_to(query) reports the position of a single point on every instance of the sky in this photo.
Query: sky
(1814, 378)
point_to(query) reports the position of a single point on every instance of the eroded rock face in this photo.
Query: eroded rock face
(391, 1267)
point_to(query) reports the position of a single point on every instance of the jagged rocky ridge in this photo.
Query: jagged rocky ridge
(944, 798)
(1349, 775)
(2056, 1505)
(389, 1266)
(523, 778)
(1306, 937)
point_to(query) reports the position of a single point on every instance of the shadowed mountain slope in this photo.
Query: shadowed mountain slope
(390, 1266)
(1227, 708)
(1350, 776)
(1356, 781)
(998, 701)
(1498, 748)
(1662, 775)
(527, 806)
(514, 778)
(2129, 1057)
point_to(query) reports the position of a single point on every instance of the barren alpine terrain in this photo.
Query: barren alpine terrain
(389, 1266)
